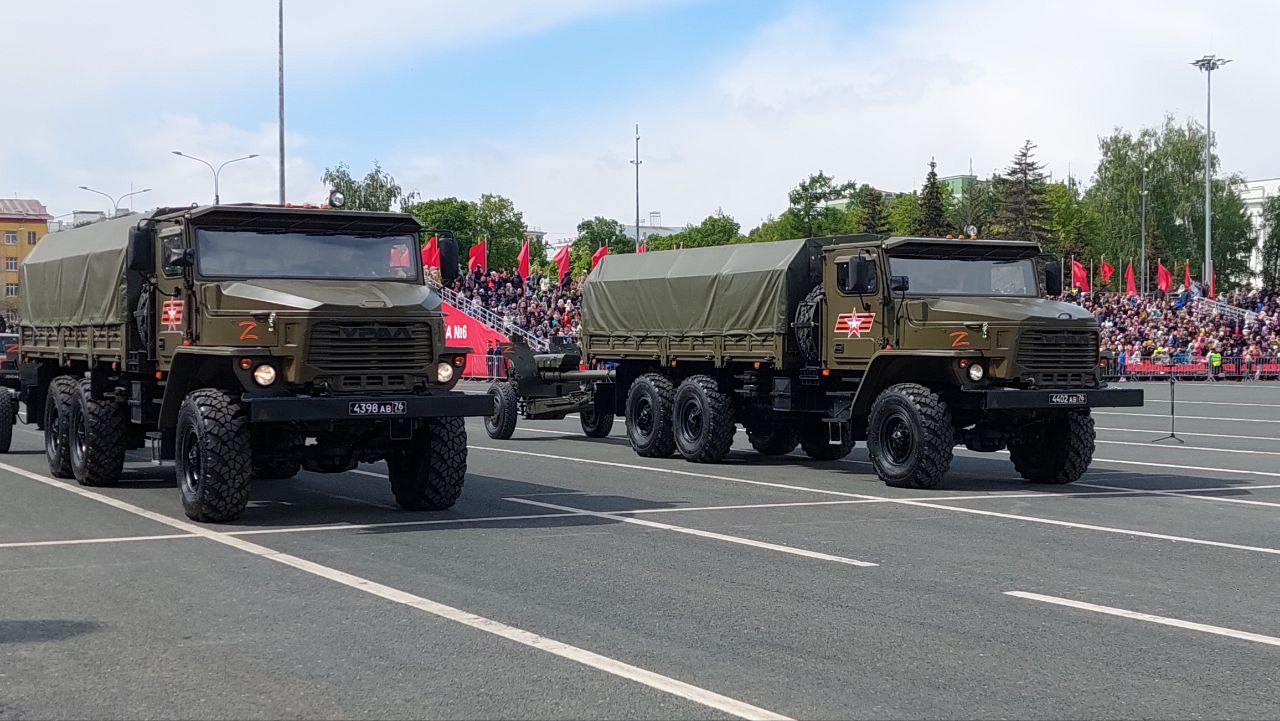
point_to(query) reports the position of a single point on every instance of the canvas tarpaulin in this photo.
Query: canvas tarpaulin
(75, 277)
(750, 288)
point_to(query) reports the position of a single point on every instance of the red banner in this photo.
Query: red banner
(463, 331)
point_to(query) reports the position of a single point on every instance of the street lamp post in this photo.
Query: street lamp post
(1207, 65)
(636, 163)
(115, 202)
(217, 198)
(1143, 231)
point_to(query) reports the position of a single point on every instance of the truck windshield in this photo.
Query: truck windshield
(953, 276)
(265, 254)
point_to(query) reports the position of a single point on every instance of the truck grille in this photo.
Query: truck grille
(371, 356)
(1060, 358)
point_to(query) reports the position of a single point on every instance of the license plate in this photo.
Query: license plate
(1067, 399)
(377, 408)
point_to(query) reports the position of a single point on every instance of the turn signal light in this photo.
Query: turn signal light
(246, 364)
(964, 362)
(459, 360)
(826, 372)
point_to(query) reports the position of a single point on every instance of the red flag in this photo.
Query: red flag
(1079, 276)
(641, 248)
(1106, 270)
(1186, 276)
(1164, 279)
(562, 261)
(400, 256)
(522, 261)
(1130, 285)
(598, 255)
(1213, 283)
(431, 253)
(478, 257)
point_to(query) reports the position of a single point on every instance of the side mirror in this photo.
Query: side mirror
(175, 256)
(899, 284)
(1053, 278)
(142, 250)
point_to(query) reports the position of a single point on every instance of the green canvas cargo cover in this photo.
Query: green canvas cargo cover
(75, 277)
(746, 289)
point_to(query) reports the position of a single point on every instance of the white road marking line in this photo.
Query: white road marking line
(1150, 618)
(1188, 433)
(1151, 401)
(1193, 448)
(1189, 418)
(91, 541)
(703, 534)
(909, 502)
(1268, 474)
(666, 684)
(1183, 494)
(399, 524)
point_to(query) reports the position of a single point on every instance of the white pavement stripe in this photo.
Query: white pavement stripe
(1241, 471)
(1150, 618)
(702, 534)
(91, 541)
(1188, 418)
(1185, 494)
(1147, 431)
(1151, 401)
(582, 656)
(1192, 448)
(399, 524)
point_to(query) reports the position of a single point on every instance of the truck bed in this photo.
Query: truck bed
(89, 343)
(767, 349)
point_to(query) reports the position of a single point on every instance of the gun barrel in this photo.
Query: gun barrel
(569, 376)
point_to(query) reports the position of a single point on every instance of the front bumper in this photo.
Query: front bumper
(1048, 399)
(338, 408)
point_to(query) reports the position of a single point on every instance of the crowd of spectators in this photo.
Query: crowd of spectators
(541, 307)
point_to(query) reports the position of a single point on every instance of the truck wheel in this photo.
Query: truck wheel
(57, 410)
(909, 436)
(276, 470)
(213, 457)
(703, 424)
(506, 407)
(595, 425)
(8, 417)
(773, 440)
(1058, 451)
(96, 438)
(648, 416)
(815, 441)
(427, 473)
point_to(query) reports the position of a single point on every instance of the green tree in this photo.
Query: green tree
(904, 216)
(1023, 213)
(592, 234)
(448, 215)
(1071, 224)
(716, 229)
(933, 209)
(874, 215)
(976, 208)
(771, 229)
(498, 221)
(378, 191)
(815, 209)
(1271, 243)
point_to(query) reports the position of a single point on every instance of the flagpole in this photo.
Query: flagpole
(1091, 275)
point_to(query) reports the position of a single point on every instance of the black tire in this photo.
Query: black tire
(648, 416)
(213, 456)
(8, 417)
(506, 407)
(815, 440)
(808, 324)
(702, 424)
(427, 473)
(96, 438)
(57, 412)
(276, 470)
(1057, 451)
(595, 425)
(909, 436)
(773, 440)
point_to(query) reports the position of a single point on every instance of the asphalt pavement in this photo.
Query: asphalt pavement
(575, 579)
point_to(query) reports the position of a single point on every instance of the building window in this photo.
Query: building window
(11, 237)
(11, 263)
(31, 237)
(10, 290)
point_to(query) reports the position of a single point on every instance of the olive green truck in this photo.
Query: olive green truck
(241, 342)
(914, 345)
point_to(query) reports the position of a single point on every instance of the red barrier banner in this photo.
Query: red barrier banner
(463, 331)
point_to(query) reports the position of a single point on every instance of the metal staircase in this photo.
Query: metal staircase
(1217, 307)
(498, 321)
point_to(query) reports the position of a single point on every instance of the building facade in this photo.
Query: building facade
(1255, 194)
(23, 222)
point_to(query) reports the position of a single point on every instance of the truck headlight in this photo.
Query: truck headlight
(444, 373)
(264, 375)
(976, 372)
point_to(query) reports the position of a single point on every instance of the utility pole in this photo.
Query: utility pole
(636, 163)
(280, 7)
(1207, 65)
(1143, 231)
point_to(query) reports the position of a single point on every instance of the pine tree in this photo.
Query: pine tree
(873, 211)
(1023, 212)
(934, 212)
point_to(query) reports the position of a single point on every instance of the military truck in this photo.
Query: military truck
(242, 342)
(914, 345)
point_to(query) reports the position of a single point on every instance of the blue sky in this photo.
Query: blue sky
(737, 100)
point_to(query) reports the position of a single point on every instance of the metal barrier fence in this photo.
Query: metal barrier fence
(1199, 369)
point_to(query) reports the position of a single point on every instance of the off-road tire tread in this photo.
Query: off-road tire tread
(719, 423)
(105, 439)
(938, 435)
(228, 457)
(1065, 464)
(600, 427)
(507, 407)
(61, 389)
(773, 441)
(816, 444)
(8, 417)
(664, 442)
(428, 474)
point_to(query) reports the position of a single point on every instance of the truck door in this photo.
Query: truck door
(855, 311)
(170, 304)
